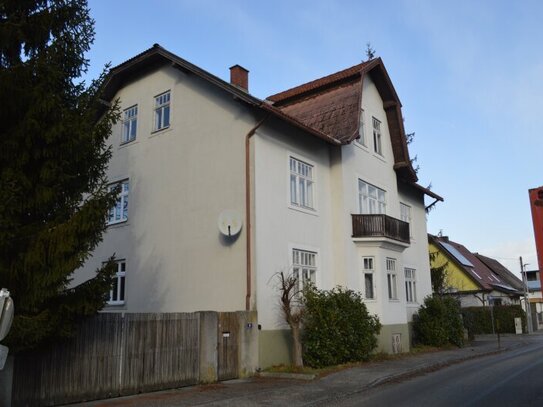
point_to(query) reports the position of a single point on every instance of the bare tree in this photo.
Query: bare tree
(293, 312)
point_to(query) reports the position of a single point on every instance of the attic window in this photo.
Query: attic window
(377, 136)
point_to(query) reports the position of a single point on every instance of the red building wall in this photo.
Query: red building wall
(536, 203)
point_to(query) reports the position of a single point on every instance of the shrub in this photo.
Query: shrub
(478, 320)
(439, 322)
(337, 327)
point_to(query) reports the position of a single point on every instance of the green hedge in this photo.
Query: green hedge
(477, 320)
(439, 322)
(337, 327)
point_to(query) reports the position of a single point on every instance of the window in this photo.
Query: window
(301, 184)
(405, 212)
(367, 265)
(405, 215)
(410, 285)
(391, 279)
(377, 136)
(119, 213)
(361, 129)
(130, 124)
(116, 294)
(304, 267)
(162, 111)
(371, 199)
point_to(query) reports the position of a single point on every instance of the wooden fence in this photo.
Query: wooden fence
(116, 355)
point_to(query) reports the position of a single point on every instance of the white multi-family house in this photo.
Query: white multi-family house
(315, 181)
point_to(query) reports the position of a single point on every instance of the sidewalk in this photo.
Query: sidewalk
(273, 391)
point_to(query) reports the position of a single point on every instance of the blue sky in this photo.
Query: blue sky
(468, 73)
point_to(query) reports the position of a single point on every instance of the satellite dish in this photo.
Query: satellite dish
(229, 222)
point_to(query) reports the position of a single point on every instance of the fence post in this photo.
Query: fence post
(208, 367)
(248, 342)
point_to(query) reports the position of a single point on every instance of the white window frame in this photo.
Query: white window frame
(392, 279)
(130, 124)
(368, 269)
(302, 177)
(162, 110)
(406, 214)
(371, 199)
(361, 139)
(304, 261)
(377, 139)
(119, 212)
(410, 285)
(117, 294)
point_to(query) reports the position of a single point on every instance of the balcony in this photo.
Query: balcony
(377, 226)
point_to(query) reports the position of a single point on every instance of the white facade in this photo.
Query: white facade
(180, 179)
(181, 154)
(281, 227)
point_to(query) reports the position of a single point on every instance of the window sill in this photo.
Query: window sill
(126, 143)
(413, 304)
(162, 130)
(370, 300)
(118, 223)
(396, 300)
(361, 146)
(380, 157)
(304, 210)
(118, 305)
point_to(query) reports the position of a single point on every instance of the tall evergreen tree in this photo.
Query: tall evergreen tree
(53, 157)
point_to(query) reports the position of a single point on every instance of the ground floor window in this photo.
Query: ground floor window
(391, 279)
(367, 265)
(304, 267)
(116, 295)
(410, 285)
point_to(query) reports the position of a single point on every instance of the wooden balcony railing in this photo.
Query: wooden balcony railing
(380, 226)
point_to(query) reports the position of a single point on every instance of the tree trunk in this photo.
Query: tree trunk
(297, 345)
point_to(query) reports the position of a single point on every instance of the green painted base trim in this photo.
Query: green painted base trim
(385, 338)
(274, 348)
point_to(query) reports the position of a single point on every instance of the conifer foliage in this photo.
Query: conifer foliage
(53, 157)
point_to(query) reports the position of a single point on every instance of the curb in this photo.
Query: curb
(431, 367)
(298, 376)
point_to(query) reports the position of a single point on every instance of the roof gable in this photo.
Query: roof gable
(157, 57)
(332, 105)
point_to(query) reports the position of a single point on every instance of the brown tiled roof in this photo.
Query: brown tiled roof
(503, 273)
(318, 83)
(334, 112)
(480, 273)
(332, 105)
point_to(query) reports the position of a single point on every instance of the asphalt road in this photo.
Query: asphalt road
(513, 378)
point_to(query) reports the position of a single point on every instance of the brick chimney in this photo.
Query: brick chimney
(239, 76)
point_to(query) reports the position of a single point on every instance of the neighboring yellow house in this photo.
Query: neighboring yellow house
(475, 279)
